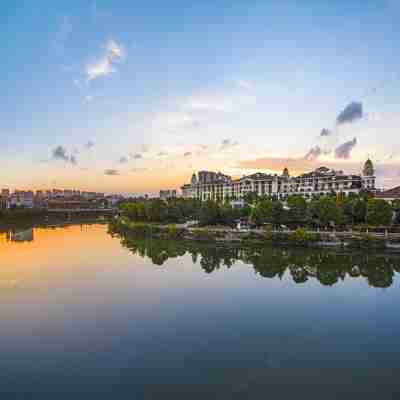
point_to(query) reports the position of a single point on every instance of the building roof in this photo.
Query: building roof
(257, 175)
(391, 193)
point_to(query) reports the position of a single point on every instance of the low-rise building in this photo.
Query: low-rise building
(167, 194)
(389, 195)
(21, 198)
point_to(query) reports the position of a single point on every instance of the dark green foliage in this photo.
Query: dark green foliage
(267, 211)
(325, 211)
(298, 209)
(156, 210)
(379, 212)
(180, 211)
(251, 198)
(301, 237)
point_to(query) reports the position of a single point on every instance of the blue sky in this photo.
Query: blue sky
(134, 96)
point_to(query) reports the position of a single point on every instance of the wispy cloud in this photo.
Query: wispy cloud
(205, 103)
(228, 144)
(89, 144)
(219, 102)
(136, 156)
(344, 150)
(105, 65)
(325, 132)
(139, 169)
(187, 154)
(244, 84)
(73, 160)
(111, 172)
(313, 153)
(123, 160)
(175, 121)
(88, 98)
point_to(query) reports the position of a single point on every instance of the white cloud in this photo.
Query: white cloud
(77, 83)
(114, 48)
(174, 121)
(219, 102)
(105, 65)
(210, 103)
(102, 67)
(88, 98)
(247, 85)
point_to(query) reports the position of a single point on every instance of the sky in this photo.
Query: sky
(134, 96)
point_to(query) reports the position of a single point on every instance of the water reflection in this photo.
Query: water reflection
(82, 317)
(327, 266)
(25, 235)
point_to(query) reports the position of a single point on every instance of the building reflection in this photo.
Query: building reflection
(329, 267)
(21, 236)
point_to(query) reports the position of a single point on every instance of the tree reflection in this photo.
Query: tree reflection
(329, 267)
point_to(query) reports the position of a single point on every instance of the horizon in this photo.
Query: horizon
(121, 98)
(133, 194)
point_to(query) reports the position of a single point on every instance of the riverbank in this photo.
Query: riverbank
(21, 224)
(229, 236)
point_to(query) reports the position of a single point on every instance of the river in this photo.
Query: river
(85, 314)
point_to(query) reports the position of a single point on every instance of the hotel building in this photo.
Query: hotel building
(215, 186)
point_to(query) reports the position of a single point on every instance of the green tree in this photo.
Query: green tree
(298, 209)
(379, 212)
(208, 213)
(267, 211)
(227, 214)
(251, 197)
(396, 209)
(325, 211)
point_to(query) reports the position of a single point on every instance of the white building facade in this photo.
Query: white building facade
(219, 187)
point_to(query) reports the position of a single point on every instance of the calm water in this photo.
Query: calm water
(87, 315)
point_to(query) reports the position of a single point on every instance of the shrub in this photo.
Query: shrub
(268, 234)
(172, 232)
(367, 242)
(301, 237)
(202, 234)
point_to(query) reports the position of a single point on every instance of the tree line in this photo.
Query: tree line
(182, 210)
(324, 211)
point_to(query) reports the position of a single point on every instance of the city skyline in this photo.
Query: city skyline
(129, 98)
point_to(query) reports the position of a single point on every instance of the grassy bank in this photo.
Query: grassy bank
(299, 237)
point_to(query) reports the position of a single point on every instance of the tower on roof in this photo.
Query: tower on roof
(194, 179)
(368, 169)
(285, 173)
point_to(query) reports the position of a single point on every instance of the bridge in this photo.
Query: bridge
(82, 210)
